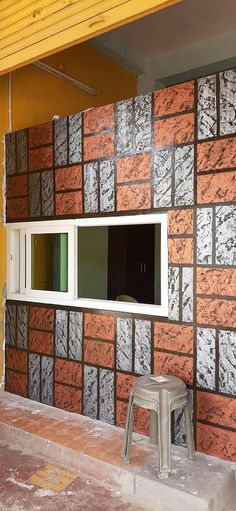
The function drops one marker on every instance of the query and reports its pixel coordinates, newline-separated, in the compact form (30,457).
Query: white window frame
(70,298)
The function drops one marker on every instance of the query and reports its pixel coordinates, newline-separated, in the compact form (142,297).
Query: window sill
(107,305)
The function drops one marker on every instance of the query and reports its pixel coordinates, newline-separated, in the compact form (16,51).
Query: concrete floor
(30,483)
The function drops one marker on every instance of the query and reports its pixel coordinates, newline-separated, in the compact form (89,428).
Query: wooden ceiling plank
(91,27)
(31,13)
(20,9)
(63,18)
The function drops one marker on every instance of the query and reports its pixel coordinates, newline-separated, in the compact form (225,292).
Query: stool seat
(146,387)
(161,395)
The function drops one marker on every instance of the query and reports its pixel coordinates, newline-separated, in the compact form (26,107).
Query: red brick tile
(217,155)
(216,442)
(16,359)
(174,130)
(99,353)
(41,318)
(98,146)
(217,409)
(141,417)
(124,384)
(68,398)
(121,412)
(219,282)
(99,119)
(133,197)
(133,168)
(177,365)
(141,421)
(40,158)
(16,383)
(17,208)
(41,134)
(178,98)
(216,312)
(17,185)
(180,250)
(173,337)
(68,178)
(68,372)
(219,187)
(99,325)
(69,203)
(41,342)
(180,221)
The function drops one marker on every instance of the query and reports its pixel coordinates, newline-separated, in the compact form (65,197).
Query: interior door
(131,262)
(140,262)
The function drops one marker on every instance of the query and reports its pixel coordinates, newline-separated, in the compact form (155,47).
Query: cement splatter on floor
(30,483)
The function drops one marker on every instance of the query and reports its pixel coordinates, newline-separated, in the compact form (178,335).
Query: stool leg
(153,427)
(164,435)
(128,431)
(189,431)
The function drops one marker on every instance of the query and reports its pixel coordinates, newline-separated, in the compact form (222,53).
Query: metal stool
(161,399)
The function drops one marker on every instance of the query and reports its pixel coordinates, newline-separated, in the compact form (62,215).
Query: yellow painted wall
(37,96)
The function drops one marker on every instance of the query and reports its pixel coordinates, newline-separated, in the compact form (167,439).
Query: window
(38,261)
(115,263)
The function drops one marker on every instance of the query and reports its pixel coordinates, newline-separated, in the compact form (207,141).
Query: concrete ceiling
(191,34)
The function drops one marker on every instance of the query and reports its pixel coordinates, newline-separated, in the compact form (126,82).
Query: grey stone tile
(60,142)
(142,359)
(34,377)
(207,116)
(61,333)
(107,192)
(124,344)
(75,138)
(21,152)
(227,361)
(47,380)
(34,194)
(90,405)
(22,326)
(143,123)
(75,335)
(179,426)
(124,126)
(184,176)
(204,235)
(187,294)
(91,187)
(10,153)
(47,193)
(10,327)
(226,235)
(106,396)
(173,294)
(228,102)
(206,353)
(163,169)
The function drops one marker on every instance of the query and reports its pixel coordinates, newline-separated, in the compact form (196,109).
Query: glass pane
(49,266)
(120,263)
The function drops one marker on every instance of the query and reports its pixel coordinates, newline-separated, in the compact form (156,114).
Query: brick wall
(174,151)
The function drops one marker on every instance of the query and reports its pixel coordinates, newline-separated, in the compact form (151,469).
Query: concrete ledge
(205,484)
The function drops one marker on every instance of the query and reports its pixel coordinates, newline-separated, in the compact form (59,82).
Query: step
(93,447)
